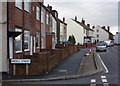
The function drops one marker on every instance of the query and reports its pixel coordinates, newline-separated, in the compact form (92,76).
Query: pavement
(75,66)
(109,61)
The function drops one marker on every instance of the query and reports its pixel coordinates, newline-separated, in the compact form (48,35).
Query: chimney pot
(93,27)
(88,25)
(75,18)
(108,28)
(83,21)
(64,19)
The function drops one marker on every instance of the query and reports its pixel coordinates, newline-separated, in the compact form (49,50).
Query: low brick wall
(87,45)
(44,62)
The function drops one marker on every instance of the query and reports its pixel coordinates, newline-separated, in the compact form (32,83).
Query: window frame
(18,4)
(38,37)
(28,40)
(18,30)
(47,19)
(42,16)
(27,5)
(37,12)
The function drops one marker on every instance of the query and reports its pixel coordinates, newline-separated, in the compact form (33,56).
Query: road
(110,61)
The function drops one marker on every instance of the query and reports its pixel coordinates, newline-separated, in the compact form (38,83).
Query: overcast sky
(95,12)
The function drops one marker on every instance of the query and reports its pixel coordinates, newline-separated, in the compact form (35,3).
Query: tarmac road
(110,78)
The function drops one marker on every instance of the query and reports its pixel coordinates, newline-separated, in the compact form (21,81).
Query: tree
(69,38)
(72,39)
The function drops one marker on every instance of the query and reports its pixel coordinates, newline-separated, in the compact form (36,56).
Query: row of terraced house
(29,28)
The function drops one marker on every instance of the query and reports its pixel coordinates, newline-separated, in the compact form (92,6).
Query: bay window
(18,41)
(37,39)
(26,40)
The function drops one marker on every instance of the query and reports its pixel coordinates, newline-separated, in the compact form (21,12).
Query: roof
(107,31)
(62,22)
(86,27)
(49,11)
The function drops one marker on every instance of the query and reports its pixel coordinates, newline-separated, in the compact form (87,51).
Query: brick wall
(43,63)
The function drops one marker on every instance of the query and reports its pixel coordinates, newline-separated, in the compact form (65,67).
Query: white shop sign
(20,61)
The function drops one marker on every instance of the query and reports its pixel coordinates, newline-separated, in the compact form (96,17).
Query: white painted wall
(3,38)
(75,29)
(103,35)
(117,38)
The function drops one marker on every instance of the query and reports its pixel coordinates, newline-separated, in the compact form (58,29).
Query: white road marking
(115,50)
(103,77)
(105,84)
(106,70)
(104,80)
(93,80)
(92,84)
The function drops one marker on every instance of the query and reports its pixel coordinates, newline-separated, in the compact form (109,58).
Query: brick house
(82,32)
(34,26)
(24,20)
(63,30)
(102,33)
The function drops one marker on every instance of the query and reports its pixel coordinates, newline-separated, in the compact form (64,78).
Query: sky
(94,12)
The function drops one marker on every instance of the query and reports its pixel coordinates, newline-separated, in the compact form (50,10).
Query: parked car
(101,47)
(66,42)
(109,43)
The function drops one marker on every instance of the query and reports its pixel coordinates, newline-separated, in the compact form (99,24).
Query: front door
(11,47)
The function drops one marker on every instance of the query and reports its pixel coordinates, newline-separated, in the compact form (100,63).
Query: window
(37,39)
(42,16)
(26,5)
(47,18)
(97,35)
(37,13)
(18,41)
(97,30)
(84,30)
(26,40)
(18,3)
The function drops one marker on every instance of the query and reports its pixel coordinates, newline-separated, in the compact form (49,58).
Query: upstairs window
(26,5)
(97,30)
(97,35)
(47,18)
(26,40)
(42,16)
(18,4)
(37,13)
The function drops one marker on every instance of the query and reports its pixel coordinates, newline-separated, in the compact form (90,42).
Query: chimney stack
(64,19)
(83,21)
(93,27)
(103,27)
(49,7)
(108,28)
(75,18)
(88,25)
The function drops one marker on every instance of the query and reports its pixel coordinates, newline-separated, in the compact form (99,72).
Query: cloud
(95,13)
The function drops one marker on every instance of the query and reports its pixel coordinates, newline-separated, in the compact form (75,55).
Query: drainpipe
(23,30)
(7,29)
(8,37)
(40,26)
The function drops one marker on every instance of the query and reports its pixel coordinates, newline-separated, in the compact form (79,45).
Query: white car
(109,43)
(101,47)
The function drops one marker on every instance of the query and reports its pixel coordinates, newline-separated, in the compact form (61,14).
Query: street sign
(20,61)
